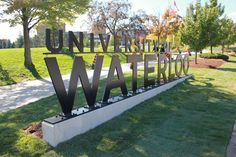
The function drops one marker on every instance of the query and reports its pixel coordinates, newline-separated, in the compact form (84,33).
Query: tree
(137,22)
(20,41)
(4,45)
(206,25)
(157,27)
(168,24)
(193,33)
(111,15)
(54,25)
(29,13)
(13,45)
(231,39)
(227,32)
(213,11)
(8,43)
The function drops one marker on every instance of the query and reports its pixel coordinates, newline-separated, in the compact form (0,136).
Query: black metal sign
(66,97)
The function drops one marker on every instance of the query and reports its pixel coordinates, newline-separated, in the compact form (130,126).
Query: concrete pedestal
(67,129)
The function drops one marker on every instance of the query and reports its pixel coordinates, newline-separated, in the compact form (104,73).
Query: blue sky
(154,6)
(150,6)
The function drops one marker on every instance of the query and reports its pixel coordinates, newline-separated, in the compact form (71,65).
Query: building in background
(39,39)
(5,43)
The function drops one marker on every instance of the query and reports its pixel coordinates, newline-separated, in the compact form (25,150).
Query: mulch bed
(34,129)
(207,63)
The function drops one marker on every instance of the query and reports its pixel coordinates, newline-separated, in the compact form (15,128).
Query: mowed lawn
(12,68)
(193,119)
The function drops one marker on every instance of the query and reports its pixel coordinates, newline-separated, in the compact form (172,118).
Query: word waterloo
(66,97)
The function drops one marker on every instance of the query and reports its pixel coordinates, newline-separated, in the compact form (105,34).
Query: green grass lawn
(193,119)
(12,68)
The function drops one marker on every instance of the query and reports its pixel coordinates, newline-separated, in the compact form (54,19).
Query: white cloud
(232,15)
(7,32)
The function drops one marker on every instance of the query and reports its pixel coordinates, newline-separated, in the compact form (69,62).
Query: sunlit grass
(12,68)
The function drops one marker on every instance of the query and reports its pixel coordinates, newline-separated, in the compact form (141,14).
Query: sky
(150,6)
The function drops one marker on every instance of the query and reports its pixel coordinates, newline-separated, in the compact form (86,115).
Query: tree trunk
(211,49)
(195,57)
(27,54)
(223,48)
(115,43)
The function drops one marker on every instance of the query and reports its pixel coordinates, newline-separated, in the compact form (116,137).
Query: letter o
(178,72)
(186,64)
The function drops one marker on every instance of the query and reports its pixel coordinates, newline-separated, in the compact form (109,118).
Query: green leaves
(29,13)
(194,31)
(227,31)
(111,15)
(204,26)
(50,11)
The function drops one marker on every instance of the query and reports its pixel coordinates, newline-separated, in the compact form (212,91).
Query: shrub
(65,50)
(214,56)
(229,50)
(232,54)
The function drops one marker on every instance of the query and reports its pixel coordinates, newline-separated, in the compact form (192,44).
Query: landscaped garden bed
(207,63)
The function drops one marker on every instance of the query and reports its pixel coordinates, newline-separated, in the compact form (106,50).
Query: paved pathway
(20,94)
(231,148)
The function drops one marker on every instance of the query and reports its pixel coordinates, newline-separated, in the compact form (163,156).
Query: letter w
(65,98)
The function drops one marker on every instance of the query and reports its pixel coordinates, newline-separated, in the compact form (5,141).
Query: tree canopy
(167,24)
(29,13)
(227,32)
(194,31)
(116,17)
(48,10)
(204,26)
(111,15)
(213,12)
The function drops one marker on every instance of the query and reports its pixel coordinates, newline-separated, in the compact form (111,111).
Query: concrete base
(67,129)
(231,147)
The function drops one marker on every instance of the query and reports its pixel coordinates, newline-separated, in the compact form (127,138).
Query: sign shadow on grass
(192,119)
(175,122)
(227,69)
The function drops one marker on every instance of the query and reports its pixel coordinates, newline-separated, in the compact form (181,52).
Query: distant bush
(232,54)
(214,56)
(65,50)
(229,50)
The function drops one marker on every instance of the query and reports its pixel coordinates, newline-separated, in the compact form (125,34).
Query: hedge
(214,56)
